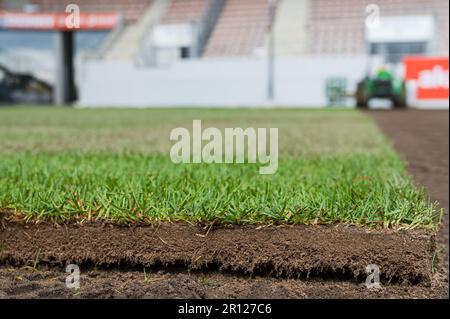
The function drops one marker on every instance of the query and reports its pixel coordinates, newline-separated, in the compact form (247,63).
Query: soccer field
(113,164)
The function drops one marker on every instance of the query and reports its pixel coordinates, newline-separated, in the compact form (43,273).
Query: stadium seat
(240,30)
(185,11)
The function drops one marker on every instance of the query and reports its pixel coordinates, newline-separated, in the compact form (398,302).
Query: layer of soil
(133,283)
(284,251)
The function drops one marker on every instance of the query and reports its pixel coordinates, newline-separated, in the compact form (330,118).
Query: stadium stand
(241,29)
(236,28)
(129,41)
(337,27)
(185,11)
(189,24)
(290,22)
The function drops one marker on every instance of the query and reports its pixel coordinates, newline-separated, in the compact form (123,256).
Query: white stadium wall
(215,82)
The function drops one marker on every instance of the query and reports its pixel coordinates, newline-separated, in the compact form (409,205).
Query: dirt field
(420,136)
(173,283)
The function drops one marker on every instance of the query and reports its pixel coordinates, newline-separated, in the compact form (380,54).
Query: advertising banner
(57,21)
(429,77)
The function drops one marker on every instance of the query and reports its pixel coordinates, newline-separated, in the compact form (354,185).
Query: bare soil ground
(111,267)
(171,283)
(421,137)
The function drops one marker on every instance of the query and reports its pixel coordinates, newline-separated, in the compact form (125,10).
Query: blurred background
(293,53)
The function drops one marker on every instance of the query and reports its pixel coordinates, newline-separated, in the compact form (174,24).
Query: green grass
(72,164)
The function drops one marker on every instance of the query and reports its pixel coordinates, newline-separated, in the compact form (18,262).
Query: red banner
(58,21)
(430,75)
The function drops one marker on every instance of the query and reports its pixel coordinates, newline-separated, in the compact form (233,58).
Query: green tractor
(381,86)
